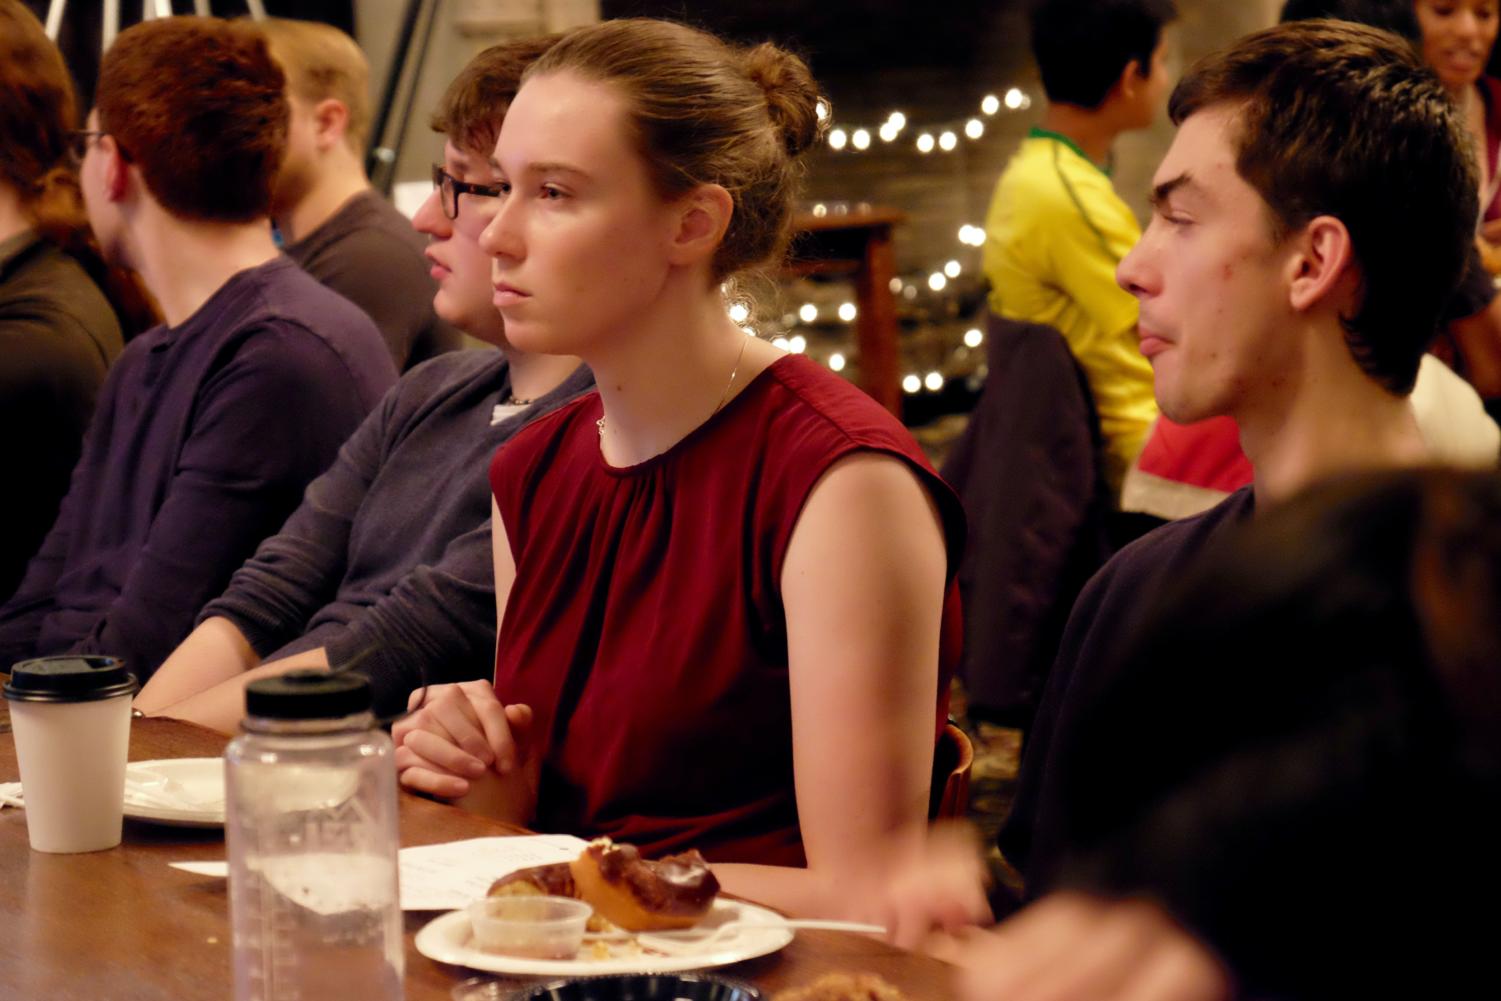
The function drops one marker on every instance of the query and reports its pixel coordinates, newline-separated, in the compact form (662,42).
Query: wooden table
(858,241)
(121,925)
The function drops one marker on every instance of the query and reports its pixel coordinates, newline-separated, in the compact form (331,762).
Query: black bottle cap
(308,695)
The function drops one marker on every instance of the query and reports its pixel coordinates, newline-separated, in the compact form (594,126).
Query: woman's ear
(1321,266)
(701,218)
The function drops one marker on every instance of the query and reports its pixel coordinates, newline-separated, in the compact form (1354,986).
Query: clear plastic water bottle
(310,828)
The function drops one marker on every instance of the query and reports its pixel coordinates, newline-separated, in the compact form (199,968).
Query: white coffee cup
(71,720)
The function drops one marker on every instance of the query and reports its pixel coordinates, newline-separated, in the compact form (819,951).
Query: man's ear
(1321,266)
(700,219)
(1130,80)
(117,168)
(330,121)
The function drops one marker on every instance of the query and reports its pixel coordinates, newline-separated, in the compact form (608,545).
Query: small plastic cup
(534,927)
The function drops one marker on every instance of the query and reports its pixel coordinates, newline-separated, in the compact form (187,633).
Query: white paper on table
(449,876)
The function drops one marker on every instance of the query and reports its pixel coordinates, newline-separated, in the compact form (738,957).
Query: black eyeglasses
(450,188)
(79,141)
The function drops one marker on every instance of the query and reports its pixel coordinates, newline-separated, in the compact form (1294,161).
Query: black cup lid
(308,695)
(71,678)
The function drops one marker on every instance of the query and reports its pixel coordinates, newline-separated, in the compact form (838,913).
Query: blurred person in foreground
(331,221)
(210,425)
(1313,816)
(353,578)
(1310,220)
(1056,229)
(63,311)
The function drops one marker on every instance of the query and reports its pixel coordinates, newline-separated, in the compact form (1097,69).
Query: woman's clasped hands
(460,737)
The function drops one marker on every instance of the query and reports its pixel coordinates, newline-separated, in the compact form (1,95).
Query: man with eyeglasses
(398,530)
(331,221)
(210,425)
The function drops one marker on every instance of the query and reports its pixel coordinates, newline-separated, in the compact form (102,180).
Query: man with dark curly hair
(210,425)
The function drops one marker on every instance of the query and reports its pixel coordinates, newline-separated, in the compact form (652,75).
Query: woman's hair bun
(791,94)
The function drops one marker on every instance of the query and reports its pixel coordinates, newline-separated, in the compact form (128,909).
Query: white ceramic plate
(447,940)
(195,787)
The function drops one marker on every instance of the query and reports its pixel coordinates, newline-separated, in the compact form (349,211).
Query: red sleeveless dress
(646,628)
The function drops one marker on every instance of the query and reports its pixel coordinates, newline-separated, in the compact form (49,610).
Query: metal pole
(202,9)
(257,9)
(55,18)
(111,25)
(380,161)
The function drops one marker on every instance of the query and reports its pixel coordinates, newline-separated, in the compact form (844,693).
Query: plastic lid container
(535,927)
(72,678)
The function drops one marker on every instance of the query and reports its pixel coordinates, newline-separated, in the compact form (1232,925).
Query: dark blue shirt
(202,442)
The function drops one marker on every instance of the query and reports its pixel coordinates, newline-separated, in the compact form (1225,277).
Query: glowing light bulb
(895,285)
(861,139)
(749,331)
(779,342)
(820,210)
(952,269)
(973,337)
(991,104)
(1015,99)
(974,128)
(838,139)
(933,381)
(937,281)
(887,132)
(897,120)
(911,384)
(823,110)
(797,344)
(739,312)
(836,362)
(847,311)
(925,143)
(947,142)
(808,313)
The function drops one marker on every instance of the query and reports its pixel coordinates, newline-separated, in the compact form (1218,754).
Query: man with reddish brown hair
(209,426)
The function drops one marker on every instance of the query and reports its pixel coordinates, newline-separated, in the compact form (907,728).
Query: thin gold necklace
(723,397)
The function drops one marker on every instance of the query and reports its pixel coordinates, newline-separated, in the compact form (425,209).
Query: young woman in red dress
(726,580)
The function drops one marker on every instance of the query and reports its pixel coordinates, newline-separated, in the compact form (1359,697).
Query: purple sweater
(387,562)
(203,439)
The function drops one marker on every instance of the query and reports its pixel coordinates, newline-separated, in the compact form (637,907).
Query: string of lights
(941,136)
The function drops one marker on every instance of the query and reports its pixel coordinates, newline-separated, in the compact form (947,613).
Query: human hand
(939,885)
(461,732)
(1070,945)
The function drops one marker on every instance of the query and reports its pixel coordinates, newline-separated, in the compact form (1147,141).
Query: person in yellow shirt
(1056,229)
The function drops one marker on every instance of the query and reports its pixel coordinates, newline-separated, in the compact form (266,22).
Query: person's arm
(863,584)
(266,423)
(433,622)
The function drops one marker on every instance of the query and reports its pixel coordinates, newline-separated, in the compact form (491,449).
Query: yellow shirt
(1055,232)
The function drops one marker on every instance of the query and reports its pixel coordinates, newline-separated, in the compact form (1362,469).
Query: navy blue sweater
(202,442)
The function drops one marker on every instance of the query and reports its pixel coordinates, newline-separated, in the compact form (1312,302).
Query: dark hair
(705,112)
(37,109)
(475,104)
(197,104)
(1313,719)
(1343,120)
(1083,46)
(1389,15)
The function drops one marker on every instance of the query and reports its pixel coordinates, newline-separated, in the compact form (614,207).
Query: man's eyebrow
(1162,192)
